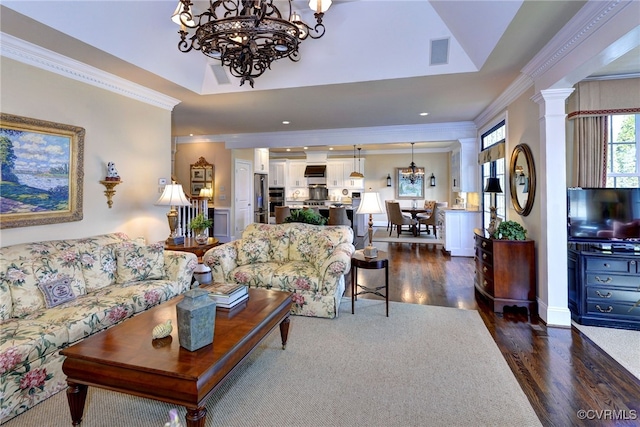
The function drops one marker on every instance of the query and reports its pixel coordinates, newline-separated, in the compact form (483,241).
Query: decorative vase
(196,319)
(201,236)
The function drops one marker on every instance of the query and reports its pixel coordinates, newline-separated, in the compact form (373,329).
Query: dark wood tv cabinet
(505,272)
(604,286)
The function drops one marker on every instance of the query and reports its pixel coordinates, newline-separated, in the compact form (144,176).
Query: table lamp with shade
(493,188)
(370,204)
(173,196)
(206,193)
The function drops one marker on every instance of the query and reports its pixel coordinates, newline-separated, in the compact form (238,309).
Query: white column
(553,301)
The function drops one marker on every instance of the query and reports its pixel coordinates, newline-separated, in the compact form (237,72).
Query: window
(623,154)
(494,168)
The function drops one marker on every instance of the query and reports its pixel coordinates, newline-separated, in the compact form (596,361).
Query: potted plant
(199,224)
(510,230)
(307,216)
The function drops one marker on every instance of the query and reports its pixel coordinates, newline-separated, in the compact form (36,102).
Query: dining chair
(398,219)
(428,218)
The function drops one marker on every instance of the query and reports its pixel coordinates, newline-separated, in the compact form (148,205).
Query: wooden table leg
(196,417)
(386,286)
(76,396)
(354,274)
(284,331)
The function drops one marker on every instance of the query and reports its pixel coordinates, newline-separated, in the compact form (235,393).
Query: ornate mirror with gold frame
(202,176)
(522,179)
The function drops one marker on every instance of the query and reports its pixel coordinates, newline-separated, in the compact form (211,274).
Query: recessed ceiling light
(190,134)
(285,122)
(305,148)
(424,114)
(288,149)
(330,148)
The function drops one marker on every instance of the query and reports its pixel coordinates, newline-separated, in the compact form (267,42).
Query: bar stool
(281,213)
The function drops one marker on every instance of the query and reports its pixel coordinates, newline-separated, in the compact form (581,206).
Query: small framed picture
(197,174)
(196,187)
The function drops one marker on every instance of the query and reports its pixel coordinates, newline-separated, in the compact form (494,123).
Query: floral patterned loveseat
(308,260)
(55,293)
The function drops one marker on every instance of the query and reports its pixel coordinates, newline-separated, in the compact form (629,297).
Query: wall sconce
(432,180)
(388,180)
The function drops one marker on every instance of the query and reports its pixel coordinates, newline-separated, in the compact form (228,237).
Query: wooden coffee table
(124,358)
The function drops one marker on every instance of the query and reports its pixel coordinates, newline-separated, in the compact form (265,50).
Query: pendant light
(355,174)
(360,158)
(412,173)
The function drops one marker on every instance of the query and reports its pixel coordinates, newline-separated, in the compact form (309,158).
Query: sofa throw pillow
(57,290)
(18,276)
(253,250)
(136,262)
(98,266)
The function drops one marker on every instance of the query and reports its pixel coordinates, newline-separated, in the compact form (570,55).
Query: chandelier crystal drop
(246,35)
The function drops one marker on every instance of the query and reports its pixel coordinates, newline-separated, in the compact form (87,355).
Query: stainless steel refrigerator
(261,198)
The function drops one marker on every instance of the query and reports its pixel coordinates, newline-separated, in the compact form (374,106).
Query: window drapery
(589,152)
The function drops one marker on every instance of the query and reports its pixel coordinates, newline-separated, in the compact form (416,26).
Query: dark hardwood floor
(560,370)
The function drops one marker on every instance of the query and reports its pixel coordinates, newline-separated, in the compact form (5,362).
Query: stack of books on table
(228,295)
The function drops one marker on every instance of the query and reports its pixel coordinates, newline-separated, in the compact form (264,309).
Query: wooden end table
(358,260)
(125,359)
(190,245)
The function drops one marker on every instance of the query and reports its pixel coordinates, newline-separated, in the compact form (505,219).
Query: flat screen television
(601,214)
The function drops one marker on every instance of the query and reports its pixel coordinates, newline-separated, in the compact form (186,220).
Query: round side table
(202,273)
(358,260)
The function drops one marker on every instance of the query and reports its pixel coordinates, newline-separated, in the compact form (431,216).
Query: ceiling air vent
(439,52)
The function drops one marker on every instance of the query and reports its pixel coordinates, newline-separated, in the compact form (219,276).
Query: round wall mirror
(522,179)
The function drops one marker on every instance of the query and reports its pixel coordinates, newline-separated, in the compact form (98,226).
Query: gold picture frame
(41,172)
(407,190)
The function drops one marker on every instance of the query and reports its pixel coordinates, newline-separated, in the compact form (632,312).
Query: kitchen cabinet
(352,183)
(604,287)
(456,230)
(295,176)
(277,175)
(506,272)
(335,174)
(261,160)
(464,167)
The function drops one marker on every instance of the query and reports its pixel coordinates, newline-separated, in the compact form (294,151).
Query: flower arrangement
(510,230)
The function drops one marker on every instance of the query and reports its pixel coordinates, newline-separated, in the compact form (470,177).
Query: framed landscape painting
(407,190)
(41,172)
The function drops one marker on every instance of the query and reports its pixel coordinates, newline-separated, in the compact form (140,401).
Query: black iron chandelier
(412,173)
(246,35)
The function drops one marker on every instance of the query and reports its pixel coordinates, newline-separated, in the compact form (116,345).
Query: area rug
(621,344)
(382,235)
(422,366)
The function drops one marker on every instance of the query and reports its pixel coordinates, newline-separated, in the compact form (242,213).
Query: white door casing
(243,180)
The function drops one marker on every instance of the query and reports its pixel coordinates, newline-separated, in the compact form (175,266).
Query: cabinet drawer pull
(484,244)
(484,269)
(608,310)
(484,256)
(484,283)
(607,265)
(607,280)
(633,263)
(601,295)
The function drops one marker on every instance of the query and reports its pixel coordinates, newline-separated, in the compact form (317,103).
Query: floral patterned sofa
(55,293)
(308,260)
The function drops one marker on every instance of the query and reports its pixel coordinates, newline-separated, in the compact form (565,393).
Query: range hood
(315,171)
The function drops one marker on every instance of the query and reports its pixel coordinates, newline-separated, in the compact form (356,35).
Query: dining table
(414,214)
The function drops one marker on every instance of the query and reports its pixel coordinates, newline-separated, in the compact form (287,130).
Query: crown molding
(370,135)
(586,22)
(590,18)
(36,56)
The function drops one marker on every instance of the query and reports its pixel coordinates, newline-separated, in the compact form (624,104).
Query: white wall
(134,135)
